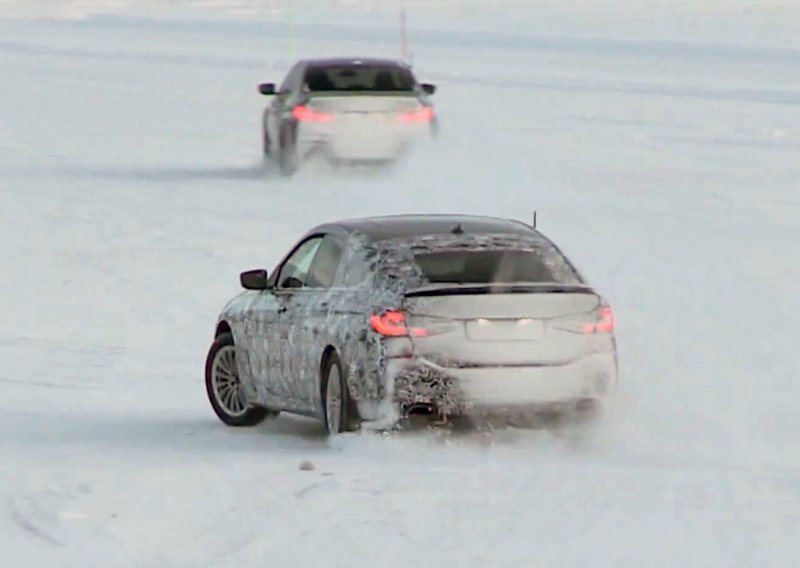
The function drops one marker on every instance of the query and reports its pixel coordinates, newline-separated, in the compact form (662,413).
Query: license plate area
(363,119)
(505,330)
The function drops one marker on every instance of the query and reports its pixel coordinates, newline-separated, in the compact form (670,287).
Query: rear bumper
(456,391)
(380,145)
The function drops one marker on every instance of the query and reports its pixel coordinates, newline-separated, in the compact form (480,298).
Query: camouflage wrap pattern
(283,336)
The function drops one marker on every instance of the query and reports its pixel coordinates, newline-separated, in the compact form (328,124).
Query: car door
(307,321)
(354,299)
(258,342)
(283,100)
(290,292)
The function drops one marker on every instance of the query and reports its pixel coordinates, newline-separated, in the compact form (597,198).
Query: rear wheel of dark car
(287,153)
(266,146)
(435,128)
(336,405)
(224,389)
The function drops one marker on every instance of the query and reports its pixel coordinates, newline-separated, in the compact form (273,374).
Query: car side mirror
(266,88)
(254,279)
(428,88)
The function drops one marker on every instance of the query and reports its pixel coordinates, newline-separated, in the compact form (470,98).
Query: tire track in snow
(30,526)
(49,385)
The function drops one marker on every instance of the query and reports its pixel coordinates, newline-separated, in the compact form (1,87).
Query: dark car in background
(352,111)
(365,321)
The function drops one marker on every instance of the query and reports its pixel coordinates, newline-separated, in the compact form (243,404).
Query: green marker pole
(290,24)
(404,31)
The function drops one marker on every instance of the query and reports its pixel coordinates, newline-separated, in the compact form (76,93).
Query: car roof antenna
(458,230)
(534,218)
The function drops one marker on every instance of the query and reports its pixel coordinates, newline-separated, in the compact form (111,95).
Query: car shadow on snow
(256,171)
(189,434)
(156,173)
(153,433)
(178,174)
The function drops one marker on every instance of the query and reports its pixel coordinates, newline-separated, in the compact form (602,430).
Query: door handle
(281,309)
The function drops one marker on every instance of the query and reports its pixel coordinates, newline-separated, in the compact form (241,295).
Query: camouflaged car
(366,321)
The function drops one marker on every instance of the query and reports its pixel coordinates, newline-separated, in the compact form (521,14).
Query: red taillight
(604,324)
(423,114)
(393,324)
(305,114)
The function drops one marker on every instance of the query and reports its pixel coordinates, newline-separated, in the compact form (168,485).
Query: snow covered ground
(659,143)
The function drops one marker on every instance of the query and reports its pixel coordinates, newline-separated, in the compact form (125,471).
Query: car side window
(294,272)
(356,271)
(292,80)
(326,263)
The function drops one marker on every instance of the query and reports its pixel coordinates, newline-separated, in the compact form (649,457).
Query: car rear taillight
(422,114)
(605,322)
(305,114)
(393,324)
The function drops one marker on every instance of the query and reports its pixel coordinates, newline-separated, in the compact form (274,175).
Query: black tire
(348,421)
(288,160)
(266,145)
(250,415)
(435,129)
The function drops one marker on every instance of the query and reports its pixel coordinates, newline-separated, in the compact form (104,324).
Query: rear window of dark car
(352,77)
(493,266)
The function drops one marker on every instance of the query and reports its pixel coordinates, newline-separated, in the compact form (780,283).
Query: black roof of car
(407,226)
(335,61)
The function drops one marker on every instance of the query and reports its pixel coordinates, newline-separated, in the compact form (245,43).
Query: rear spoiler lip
(485,289)
(355,94)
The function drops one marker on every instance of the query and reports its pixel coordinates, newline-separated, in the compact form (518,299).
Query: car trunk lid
(528,325)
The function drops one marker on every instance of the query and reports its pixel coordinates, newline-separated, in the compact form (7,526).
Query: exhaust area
(420,409)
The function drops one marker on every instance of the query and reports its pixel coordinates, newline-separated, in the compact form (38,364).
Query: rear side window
(326,263)
(353,77)
(356,272)
(494,266)
(293,79)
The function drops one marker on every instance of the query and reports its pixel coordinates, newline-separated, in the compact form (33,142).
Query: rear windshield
(493,266)
(359,78)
